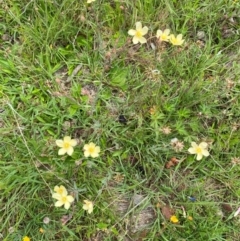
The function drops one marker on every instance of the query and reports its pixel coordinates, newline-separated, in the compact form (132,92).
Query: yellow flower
(200,150)
(190,218)
(138,33)
(66,145)
(88,206)
(60,190)
(41,230)
(174,219)
(163,35)
(91,150)
(176,40)
(26,238)
(63,199)
(90,1)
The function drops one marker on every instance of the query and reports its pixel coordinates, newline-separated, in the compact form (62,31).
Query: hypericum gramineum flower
(26,238)
(88,206)
(60,190)
(176,40)
(91,150)
(66,145)
(90,1)
(163,35)
(63,199)
(200,150)
(138,33)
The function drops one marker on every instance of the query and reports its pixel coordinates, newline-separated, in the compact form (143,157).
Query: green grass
(53,51)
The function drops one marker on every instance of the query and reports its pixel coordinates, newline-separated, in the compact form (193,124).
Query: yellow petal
(56,196)
(86,153)
(85,147)
(159,33)
(67,205)
(62,151)
(203,145)
(90,210)
(144,30)
(58,203)
(205,152)
(166,31)
(199,156)
(142,40)
(132,32)
(194,144)
(73,142)
(179,37)
(95,154)
(56,188)
(59,143)
(138,25)
(135,39)
(192,150)
(67,139)
(70,151)
(97,149)
(92,145)
(63,188)
(70,198)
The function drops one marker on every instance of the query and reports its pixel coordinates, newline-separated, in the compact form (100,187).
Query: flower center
(198,150)
(60,191)
(64,199)
(66,145)
(91,149)
(138,34)
(164,37)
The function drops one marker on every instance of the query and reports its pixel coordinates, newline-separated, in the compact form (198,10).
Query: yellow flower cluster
(66,146)
(165,35)
(61,194)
